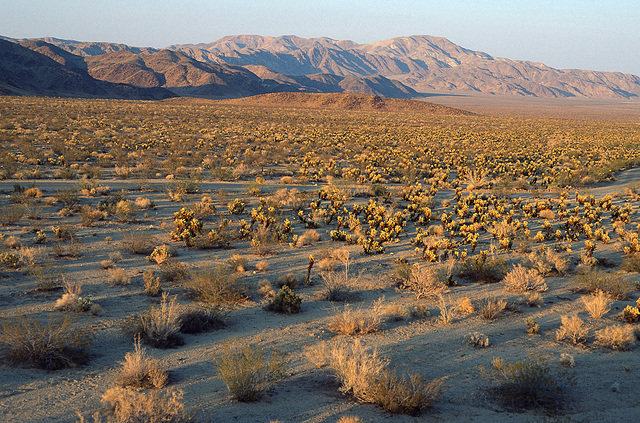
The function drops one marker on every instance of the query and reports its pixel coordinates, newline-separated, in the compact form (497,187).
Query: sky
(589,34)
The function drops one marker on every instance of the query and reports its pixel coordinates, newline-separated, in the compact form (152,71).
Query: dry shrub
(138,242)
(484,268)
(424,282)
(218,287)
(129,406)
(32,256)
(465,306)
(395,312)
(265,289)
(55,344)
(48,277)
(118,277)
(262,266)
(547,261)
(336,288)
(447,312)
(354,366)
(237,263)
(406,394)
(612,284)
(491,308)
(357,321)
(201,319)
(310,237)
(288,279)
(248,372)
(144,203)
(573,329)
(365,376)
(616,337)
(10,214)
(152,284)
(89,215)
(159,326)
(520,279)
(12,243)
(349,419)
(107,264)
(532,298)
(529,384)
(141,371)
(174,271)
(71,300)
(597,305)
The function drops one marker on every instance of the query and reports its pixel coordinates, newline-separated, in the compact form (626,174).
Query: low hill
(344,101)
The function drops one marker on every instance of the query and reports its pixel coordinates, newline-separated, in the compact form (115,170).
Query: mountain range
(243,65)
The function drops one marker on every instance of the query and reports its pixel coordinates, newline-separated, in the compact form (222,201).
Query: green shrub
(529,384)
(286,301)
(482,268)
(200,320)
(53,344)
(612,284)
(248,371)
(218,287)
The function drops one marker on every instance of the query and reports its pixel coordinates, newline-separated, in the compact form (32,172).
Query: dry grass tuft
(159,326)
(141,371)
(357,321)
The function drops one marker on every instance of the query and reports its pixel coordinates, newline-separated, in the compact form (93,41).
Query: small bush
(138,242)
(359,321)
(573,329)
(198,320)
(118,277)
(310,237)
(520,279)
(529,384)
(55,344)
(614,285)
(217,287)
(336,288)
(616,337)
(159,326)
(424,282)
(597,305)
(533,299)
(406,394)
(237,263)
(248,372)
(491,308)
(546,262)
(129,406)
(289,279)
(285,301)
(483,268)
(141,371)
(152,284)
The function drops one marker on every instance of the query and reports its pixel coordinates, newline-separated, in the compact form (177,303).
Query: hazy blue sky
(588,34)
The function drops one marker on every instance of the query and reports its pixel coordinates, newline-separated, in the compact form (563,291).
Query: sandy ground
(310,394)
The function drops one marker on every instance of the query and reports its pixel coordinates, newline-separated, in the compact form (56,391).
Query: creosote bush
(201,319)
(248,371)
(56,343)
(612,284)
(597,305)
(529,384)
(285,301)
(218,286)
(484,268)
